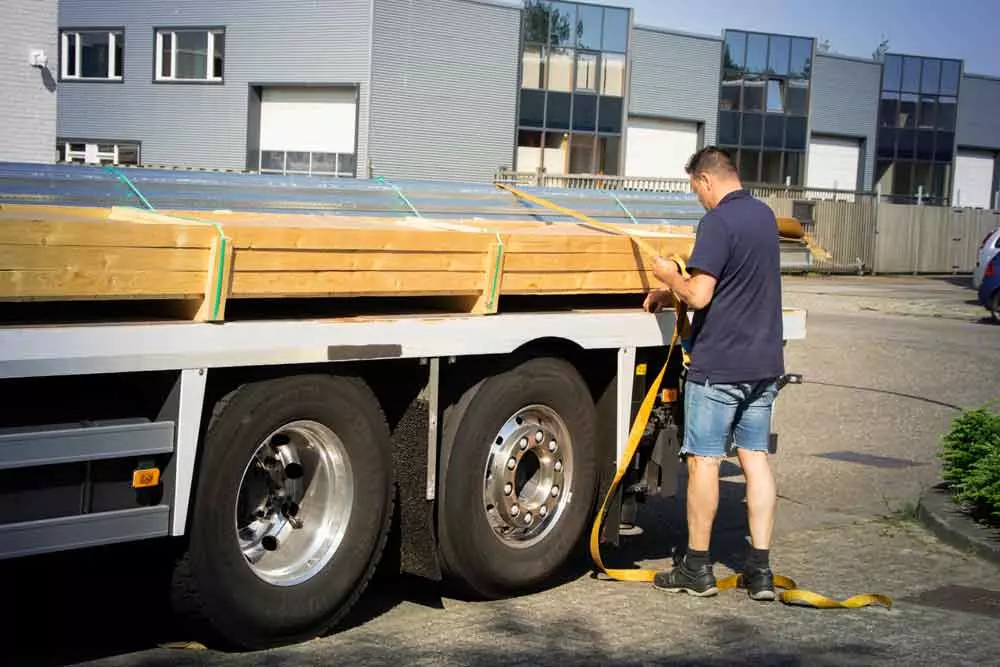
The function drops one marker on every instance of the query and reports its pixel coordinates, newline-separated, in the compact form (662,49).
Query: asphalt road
(887,364)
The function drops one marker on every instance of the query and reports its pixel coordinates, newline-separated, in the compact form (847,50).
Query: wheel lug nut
(539,436)
(508,489)
(528,518)
(555,491)
(514,510)
(552,445)
(558,466)
(543,510)
(524,443)
(511,464)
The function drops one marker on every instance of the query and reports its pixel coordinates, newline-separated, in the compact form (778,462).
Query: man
(736,360)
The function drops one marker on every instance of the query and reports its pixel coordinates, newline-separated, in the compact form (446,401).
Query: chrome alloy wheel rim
(294,503)
(528,475)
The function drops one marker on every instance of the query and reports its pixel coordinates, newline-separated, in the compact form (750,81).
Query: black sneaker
(699,582)
(759,583)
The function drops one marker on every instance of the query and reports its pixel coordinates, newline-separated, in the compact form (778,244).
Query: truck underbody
(277,456)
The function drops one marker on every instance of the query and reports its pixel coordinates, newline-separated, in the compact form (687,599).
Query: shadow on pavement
(110,601)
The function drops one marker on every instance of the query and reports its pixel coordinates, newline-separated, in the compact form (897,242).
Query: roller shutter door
(833,163)
(659,148)
(973,179)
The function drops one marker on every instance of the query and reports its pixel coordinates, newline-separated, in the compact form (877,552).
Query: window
(915,140)
(775,96)
(586,72)
(341,165)
(573,79)
(735,53)
(764,103)
(91,55)
(186,54)
(613,76)
(533,64)
(89,151)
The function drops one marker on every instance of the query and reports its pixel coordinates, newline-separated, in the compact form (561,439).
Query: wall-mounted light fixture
(38,58)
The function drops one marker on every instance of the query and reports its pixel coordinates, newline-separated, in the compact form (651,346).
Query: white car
(989,248)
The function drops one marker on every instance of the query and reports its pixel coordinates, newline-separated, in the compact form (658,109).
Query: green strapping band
(223,241)
(496,274)
(383,181)
(627,212)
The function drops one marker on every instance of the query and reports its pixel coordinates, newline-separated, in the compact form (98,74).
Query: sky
(853,27)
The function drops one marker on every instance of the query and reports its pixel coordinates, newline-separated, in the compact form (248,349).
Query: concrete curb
(945,519)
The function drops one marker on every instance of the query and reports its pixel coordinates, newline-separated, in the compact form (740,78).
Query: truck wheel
(291,512)
(520,478)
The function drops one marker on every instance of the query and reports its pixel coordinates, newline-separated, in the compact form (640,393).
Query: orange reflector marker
(145,478)
(669,395)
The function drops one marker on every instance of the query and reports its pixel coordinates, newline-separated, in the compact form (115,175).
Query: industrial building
(458,88)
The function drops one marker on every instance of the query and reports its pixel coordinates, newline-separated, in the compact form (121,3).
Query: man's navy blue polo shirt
(738,337)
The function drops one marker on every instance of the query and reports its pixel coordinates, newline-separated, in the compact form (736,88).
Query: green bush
(971,455)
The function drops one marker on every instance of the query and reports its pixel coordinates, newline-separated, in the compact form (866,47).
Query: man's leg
(708,417)
(751,435)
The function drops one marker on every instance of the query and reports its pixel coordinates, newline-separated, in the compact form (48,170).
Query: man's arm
(695,291)
(707,262)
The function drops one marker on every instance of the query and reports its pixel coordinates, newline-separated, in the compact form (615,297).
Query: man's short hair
(711,159)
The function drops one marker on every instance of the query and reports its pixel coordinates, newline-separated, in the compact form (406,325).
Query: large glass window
(573,80)
(764,103)
(915,140)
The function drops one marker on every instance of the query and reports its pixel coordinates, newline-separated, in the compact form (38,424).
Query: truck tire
(519,479)
(291,511)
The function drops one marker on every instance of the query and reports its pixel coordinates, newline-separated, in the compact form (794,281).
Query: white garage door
(833,163)
(973,179)
(659,148)
(308,130)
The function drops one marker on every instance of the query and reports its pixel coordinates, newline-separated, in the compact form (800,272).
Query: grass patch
(970,452)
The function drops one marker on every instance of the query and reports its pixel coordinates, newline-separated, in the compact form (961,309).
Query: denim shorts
(719,418)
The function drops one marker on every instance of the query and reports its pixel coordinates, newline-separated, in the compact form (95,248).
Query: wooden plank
(579,282)
(21,285)
(53,258)
(21,232)
(354,283)
(354,260)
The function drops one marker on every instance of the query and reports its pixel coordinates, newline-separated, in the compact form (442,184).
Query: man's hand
(666,271)
(657,300)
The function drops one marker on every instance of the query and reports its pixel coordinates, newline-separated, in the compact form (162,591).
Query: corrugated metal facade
(676,76)
(28,104)
(444,88)
(979,112)
(845,102)
(205,125)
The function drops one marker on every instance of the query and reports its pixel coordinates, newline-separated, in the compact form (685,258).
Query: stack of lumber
(59,253)
(84,233)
